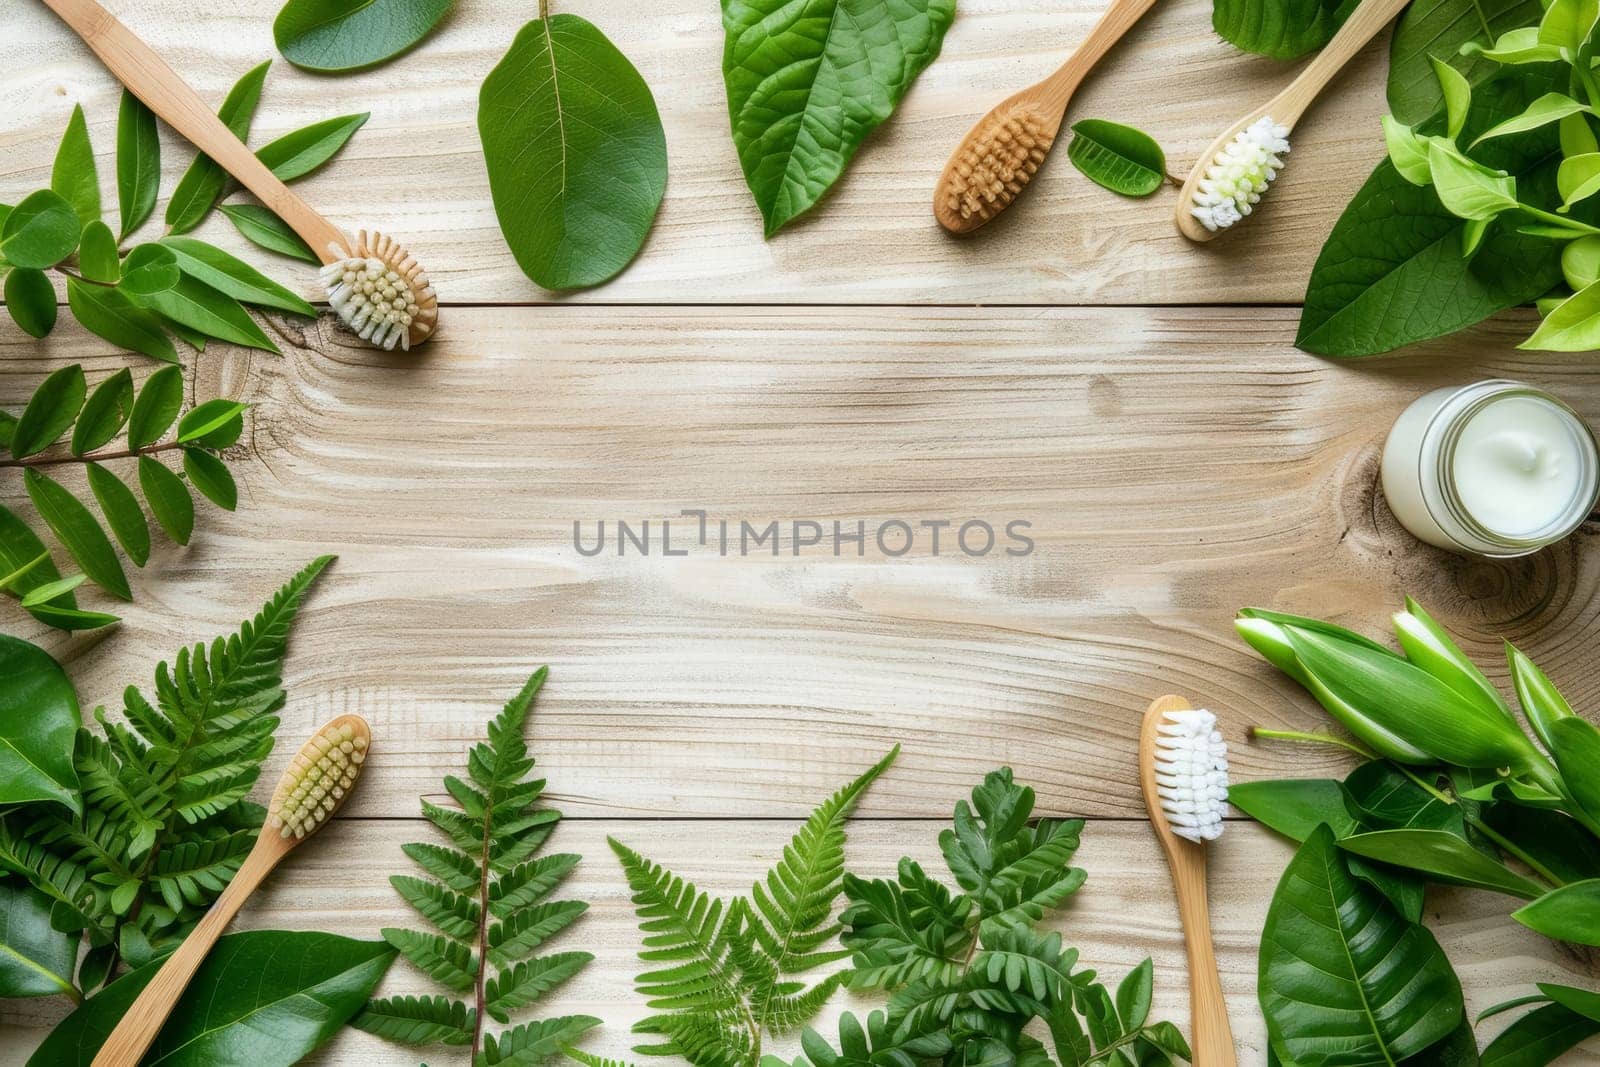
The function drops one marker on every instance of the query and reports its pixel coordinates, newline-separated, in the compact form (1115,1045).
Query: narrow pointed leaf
(263,228)
(1569,913)
(168,498)
(51,409)
(104,414)
(111,315)
(122,513)
(77,529)
(138,162)
(204,181)
(214,314)
(232,276)
(73,176)
(155,408)
(1442,856)
(296,154)
(97,254)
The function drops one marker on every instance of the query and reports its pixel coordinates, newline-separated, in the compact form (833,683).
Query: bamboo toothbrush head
(1232,176)
(318,780)
(1183,771)
(380,292)
(993,163)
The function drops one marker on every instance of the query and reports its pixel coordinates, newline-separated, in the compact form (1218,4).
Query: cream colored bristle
(380,292)
(995,163)
(318,778)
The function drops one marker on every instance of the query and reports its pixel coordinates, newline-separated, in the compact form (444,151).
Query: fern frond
(523,931)
(448,962)
(192,872)
(682,925)
(705,1039)
(905,931)
(451,866)
(589,1059)
(523,983)
(1039,878)
(418,1020)
(529,883)
(455,914)
(531,1044)
(792,1006)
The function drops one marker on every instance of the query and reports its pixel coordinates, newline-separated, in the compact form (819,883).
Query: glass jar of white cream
(1495,469)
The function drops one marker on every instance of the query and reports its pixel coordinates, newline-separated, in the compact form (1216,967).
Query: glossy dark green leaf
(36,959)
(1576,746)
(214,314)
(210,475)
(13,579)
(38,720)
(1555,840)
(110,314)
(1570,913)
(156,407)
(340,35)
(168,498)
(73,176)
(1539,1038)
(1120,158)
(1383,798)
(78,531)
(1282,29)
(31,300)
(97,254)
(65,618)
(576,154)
(224,436)
(233,277)
(296,154)
(138,162)
(105,413)
(264,997)
(1583,1002)
(193,338)
(1442,856)
(1344,977)
(50,591)
(204,181)
(205,419)
(1436,29)
(806,85)
(1134,994)
(40,232)
(149,269)
(51,409)
(20,552)
(1295,806)
(121,509)
(264,229)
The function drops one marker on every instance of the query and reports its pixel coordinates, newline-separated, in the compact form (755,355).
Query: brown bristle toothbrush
(1183,770)
(317,781)
(1001,154)
(374,286)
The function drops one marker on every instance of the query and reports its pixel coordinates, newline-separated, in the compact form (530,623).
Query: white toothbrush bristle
(1241,172)
(1192,773)
(380,293)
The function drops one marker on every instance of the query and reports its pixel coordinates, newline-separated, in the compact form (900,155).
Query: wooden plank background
(1137,401)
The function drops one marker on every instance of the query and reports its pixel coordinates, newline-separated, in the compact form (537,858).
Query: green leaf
(1120,158)
(50,411)
(417,1020)
(1467,189)
(110,314)
(1517,47)
(71,522)
(261,227)
(204,181)
(294,155)
(20,552)
(1429,646)
(576,154)
(1281,29)
(38,720)
(168,498)
(1580,1001)
(1568,913)
(1578,178)
(97,254)
(105,413)
(263,997)
(1133,996)
(1575,743)
(1551,107)
(1567,24)
(344,35)
(215,314)
(72,176)
(150,269)
(1295,807)
(1539,1038)
(138,162)
(1344,975)
(1457,94)
(40,232)
(806,85)
(1572,326)
(1442,856)
(48,592)
(207,418)
(233,277)
(1407,151)
(1577,138)
(36,959)
(31,300)
(156,407)
(122,513)
(18,574)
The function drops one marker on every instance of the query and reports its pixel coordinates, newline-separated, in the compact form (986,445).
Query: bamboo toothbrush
(374,286)
(1000,155)
(311,789)
(1235,171)
(1183,769)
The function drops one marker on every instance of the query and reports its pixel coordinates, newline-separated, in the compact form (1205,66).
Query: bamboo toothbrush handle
(143,1020)
(1208,1010)
(1362,25)
(149,78)
(1118,19)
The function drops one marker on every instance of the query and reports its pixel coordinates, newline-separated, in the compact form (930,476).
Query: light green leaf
(261,227)
(110,314)
(294,155)
(214,314)
(156,407)
(20,555)
(1573,325)
(97,254)
(1442,856)
(1446,28)
(1577,138)
(1472,235)
(50,590)
(1468,189)
(1575,743)
(17,574)
(233,277)
(1407,151)
(138,162)
(806,84)
(204,181)
(105,413)
(168,498)
(1578,178)
(1542,703)
(1581,1001)
(1281,29)
(39,718)
(36,959)
(40,232)
(122,513)
(1457,94)
(1519,46)
(72,176)
(72,524)
(1569,913)
(1120,158)
(210,475)
(576,154)
(51,409)
(207,418)
(1551,107)
(344,35)
(1567,24)
(31,300)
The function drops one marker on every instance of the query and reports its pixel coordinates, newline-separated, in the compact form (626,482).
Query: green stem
(1500,840)
(90,457)
(1310,738)
(1566,221)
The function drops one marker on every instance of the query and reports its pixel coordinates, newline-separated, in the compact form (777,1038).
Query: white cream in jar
(1497,469)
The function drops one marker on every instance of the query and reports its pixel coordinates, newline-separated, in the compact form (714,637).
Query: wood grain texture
(1175,465)
(872,240)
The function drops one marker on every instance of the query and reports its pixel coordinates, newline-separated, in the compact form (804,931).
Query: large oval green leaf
(1295,807)
(266,998)
(576,155)
(1570,913)
(1344,977)
(35,958)
(1282,29)
(38,720)
(1121,158)
(40,232)
(330,35)
(1436,29)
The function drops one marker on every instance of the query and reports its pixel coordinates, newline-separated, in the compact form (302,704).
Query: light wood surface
(1174,463)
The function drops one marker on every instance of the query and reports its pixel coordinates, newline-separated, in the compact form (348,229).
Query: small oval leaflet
(1120,158)
(336,35)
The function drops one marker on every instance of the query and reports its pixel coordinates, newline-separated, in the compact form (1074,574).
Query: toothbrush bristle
(318,779)
(1241,172)
(992,168)
(1192,773)
(380,293)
